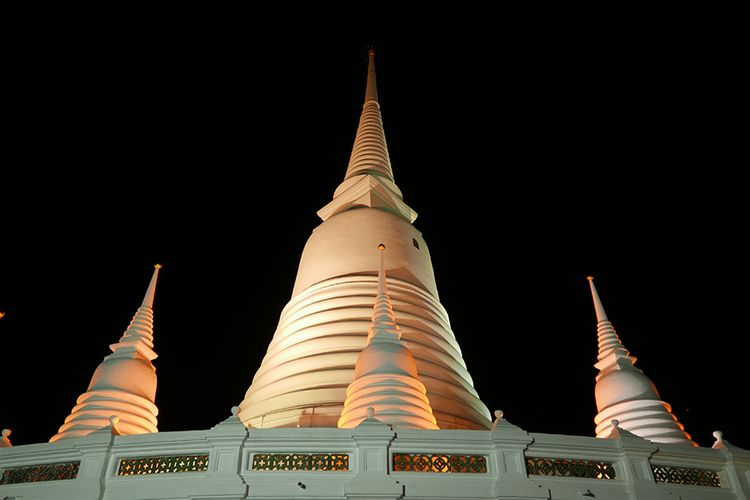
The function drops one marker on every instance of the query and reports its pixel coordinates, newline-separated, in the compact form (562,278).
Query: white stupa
(310,362)
(363,401)
(124,384)
(386,381)
(625,394)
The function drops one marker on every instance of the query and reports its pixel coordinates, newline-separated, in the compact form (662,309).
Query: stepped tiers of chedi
(363,393)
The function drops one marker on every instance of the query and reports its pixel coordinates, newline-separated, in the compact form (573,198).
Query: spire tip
(158,266)
(381,247)
(590,278)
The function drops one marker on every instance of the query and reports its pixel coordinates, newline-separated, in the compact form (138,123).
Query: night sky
(536,148)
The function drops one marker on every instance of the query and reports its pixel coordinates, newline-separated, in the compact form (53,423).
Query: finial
(615,422)
(381,269)
(235,410)
(719,440)
(498,415)
(113,420)
(4,441)
(598,307)
(2,314)
(371,91)
(370,50)
(370,412)
(148,300)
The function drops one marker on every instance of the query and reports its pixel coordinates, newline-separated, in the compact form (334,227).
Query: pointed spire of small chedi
(369,177)
(385,375)
(625,394)
(124,384)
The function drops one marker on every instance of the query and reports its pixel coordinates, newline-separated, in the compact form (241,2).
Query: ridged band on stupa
(624,393)
(124,384)
(386,379)
(311,359)
(370,151)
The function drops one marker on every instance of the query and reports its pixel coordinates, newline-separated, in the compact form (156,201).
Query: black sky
(536,148)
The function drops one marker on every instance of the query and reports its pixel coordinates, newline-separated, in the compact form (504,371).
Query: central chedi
(310,362)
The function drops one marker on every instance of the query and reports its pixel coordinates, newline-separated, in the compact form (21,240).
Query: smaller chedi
(625,394)
(124,384)
(385,374)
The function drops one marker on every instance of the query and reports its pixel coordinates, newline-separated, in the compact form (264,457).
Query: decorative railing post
(736,465)
(96,450)
(226,440)
(633,465)
(510,443)
(373,439)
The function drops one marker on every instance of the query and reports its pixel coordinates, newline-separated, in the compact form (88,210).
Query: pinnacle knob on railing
(498,415)
(4,441)
(719,440)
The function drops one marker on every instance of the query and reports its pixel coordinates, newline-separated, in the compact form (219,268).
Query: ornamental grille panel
(332,462)
(162,465)
(682,475)
(43,472)
(537,466)
(440,463)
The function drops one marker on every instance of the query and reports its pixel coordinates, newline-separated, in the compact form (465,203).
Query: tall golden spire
(370,152)
(369,177)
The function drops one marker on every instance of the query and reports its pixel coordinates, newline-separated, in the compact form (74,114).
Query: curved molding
(310,361)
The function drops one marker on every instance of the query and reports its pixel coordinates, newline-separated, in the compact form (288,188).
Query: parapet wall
(372,460)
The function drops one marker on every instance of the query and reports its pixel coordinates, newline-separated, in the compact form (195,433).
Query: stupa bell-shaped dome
(311,359)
